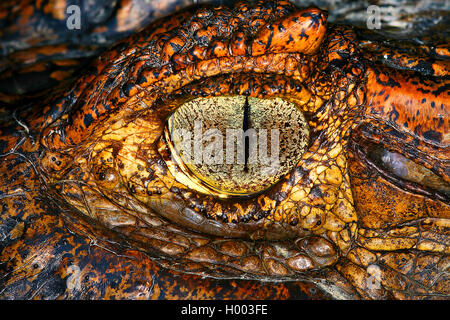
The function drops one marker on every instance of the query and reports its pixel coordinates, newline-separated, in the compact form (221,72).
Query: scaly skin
(93,207)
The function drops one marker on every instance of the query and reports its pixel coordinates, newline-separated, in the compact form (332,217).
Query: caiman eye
(236,145)
(403,169)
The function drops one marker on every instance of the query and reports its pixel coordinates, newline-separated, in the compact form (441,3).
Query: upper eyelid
(93,109)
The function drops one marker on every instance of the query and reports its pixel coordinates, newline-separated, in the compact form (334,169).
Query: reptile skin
(91,206)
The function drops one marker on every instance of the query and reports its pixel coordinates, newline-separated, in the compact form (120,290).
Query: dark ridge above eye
(247,84)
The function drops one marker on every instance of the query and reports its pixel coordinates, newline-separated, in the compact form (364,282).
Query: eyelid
(395,140)
(170,68)
(399,169)
(411,171)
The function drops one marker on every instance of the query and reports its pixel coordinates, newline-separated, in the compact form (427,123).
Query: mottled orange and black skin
(91,204)
(41,52)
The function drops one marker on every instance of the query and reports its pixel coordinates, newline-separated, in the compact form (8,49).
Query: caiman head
(356,199)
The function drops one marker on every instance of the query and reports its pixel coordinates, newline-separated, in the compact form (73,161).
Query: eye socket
(400,167)
(237,145)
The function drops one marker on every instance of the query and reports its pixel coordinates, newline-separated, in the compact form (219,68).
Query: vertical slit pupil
(245,127)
